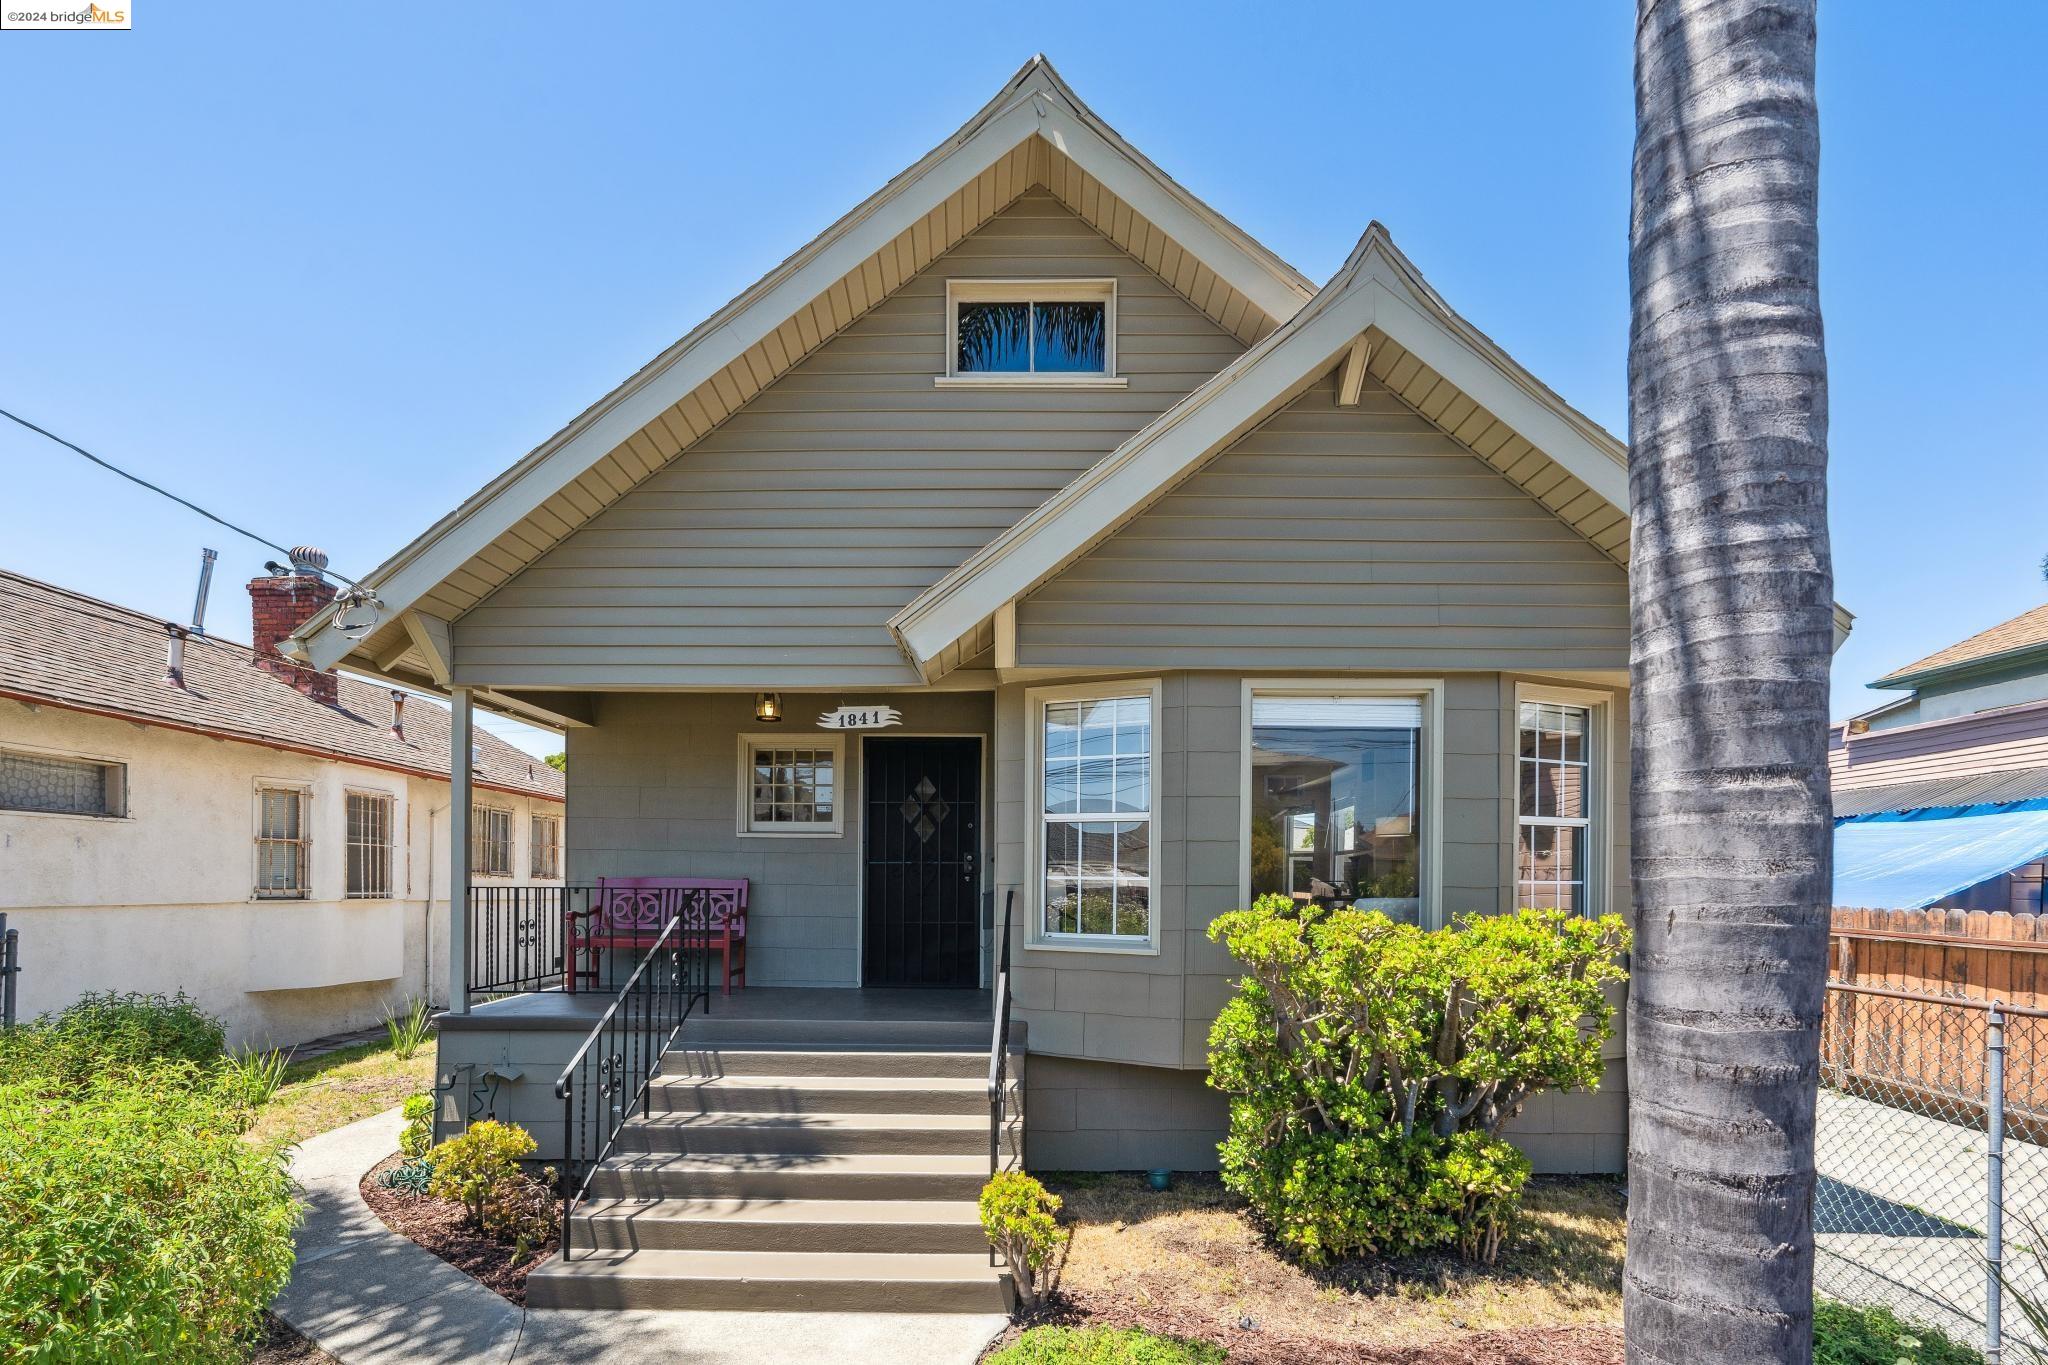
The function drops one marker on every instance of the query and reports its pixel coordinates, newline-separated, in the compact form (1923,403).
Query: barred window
(490,842)
(369,845)
(789,788)
(547,846)
(282,843)
(62,786)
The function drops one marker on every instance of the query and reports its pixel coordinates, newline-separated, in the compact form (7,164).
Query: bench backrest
(642,905)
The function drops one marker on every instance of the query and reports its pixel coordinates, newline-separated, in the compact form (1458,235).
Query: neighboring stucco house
(1190,580)
(182,813)
(1941,795)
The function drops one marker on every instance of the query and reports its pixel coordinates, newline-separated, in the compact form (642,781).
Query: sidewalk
(368,1296)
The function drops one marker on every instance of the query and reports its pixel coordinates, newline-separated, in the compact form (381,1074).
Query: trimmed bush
(1104,1346)
(471,1166)
(1371,1066)
(1020,1217)
(141,1226)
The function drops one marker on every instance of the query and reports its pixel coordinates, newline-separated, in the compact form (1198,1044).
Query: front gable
(772,551)
(1336,537)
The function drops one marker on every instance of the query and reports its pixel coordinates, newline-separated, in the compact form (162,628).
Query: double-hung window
(369,845)
(1031,331)
(1555,799)
(490,841)
(1096,759)
(1337,812)
(283,843)
(547,846)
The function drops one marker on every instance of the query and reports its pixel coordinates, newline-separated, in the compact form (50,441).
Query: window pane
(1070,337)
(59,785)
(995,338)
(1131,871)
(1335,805)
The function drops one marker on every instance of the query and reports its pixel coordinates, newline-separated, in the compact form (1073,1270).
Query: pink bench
(630,912)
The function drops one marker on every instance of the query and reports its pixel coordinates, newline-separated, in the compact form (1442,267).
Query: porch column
(461,735)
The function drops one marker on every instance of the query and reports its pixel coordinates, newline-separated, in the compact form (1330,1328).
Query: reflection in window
(1001,337)
(1335,809)
(1097,761)
(1554,810)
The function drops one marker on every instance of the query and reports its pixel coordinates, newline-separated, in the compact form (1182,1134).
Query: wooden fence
(1882,1032)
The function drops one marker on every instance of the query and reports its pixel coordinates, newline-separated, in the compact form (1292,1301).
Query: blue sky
(327,269)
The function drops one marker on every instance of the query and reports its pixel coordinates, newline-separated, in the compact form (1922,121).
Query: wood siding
(1996,741)
(1337,538)
(772,552)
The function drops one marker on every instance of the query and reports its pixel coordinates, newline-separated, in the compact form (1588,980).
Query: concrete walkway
(368,1296)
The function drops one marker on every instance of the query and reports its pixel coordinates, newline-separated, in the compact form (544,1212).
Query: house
(1941,795)
(179,813)
(1032,542)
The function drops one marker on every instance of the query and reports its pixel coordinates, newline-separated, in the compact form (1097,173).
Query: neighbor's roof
(1036,131)
(64,649)
(1983,789)
(2025,632)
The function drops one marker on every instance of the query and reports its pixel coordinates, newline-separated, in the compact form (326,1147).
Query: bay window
(1337,812)
(1095,758)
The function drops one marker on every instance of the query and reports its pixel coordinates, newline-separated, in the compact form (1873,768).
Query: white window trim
(127,811)
(534,845)
(743,812)
(1431,690)
(390,846)
(959,291)
(1599,790)
(305,791)
(1036,939)
(476,828)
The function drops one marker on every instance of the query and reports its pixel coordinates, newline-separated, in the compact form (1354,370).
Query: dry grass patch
(1191,1262)
(341,1087)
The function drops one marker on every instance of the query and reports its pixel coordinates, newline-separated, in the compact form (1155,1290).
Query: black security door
(923,832)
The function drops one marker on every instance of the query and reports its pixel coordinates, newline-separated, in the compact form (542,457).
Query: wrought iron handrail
(517,936)
(10,968)
(999,1046)
(606,1079)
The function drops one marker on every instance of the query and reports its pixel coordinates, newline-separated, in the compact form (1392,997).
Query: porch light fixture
(768,707)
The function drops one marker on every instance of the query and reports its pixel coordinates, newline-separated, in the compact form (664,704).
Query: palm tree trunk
(1732,624)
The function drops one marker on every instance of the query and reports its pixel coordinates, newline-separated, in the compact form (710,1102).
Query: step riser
(712,1062)
(698,1234)
(625,1290)
(613,1183)
(711,1032)
(696,1097)
(791,1140)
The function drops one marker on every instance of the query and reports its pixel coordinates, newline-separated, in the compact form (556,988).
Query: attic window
(1049,333)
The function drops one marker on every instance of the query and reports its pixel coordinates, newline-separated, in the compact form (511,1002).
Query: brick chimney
(279,604)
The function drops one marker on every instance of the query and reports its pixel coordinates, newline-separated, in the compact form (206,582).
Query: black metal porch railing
(605,1082)
(10,968)
(999,1047)
(517,936)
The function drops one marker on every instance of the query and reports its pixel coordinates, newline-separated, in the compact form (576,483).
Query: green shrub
(1104,1346)
(1845,1335)
(418,1135)
(523,1213)
(104,1031)
(140,1225)
(470,1166)
(1371,1066)
(1021,1219)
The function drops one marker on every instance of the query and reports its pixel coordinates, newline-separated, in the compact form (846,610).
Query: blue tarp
(1908,860)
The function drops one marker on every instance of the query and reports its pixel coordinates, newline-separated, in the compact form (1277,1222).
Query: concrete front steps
(776,1174)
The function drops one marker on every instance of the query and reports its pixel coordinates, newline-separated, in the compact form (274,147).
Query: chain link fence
(1932,1147)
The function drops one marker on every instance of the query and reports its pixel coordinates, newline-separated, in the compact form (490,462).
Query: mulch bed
(1254,1345)
(280,1345)
(442,1227)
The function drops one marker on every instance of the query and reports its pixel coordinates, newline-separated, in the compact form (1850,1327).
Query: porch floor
(552,1010)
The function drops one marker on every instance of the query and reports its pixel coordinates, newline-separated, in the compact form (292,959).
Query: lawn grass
(1191,1262)
(339,1088)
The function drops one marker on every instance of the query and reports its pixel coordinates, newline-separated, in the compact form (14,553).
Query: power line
(162,492)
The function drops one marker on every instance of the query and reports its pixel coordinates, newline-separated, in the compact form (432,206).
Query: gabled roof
(1035,131)
(2011,641)
(61,648)
(1377,315)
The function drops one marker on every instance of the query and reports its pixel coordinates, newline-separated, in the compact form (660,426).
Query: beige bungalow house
(1033,553)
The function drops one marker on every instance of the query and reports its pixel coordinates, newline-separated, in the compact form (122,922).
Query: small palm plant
(408,1029)
(2028,1297)
(252,1076)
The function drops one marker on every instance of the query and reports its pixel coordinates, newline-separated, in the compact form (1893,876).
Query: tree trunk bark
(1732,617)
